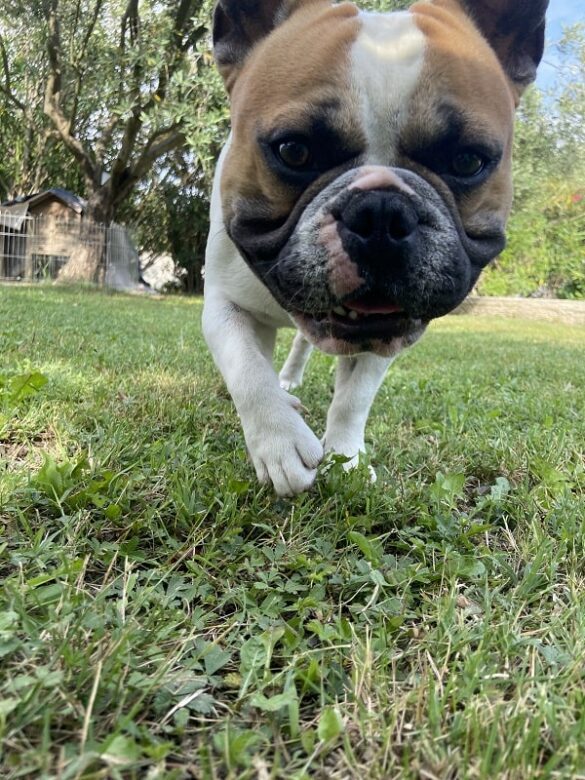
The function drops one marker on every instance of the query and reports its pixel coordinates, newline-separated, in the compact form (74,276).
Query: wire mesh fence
(46,248)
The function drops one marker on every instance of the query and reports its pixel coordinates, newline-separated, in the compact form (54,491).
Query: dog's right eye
(298,157)
(468,165)
(294,154)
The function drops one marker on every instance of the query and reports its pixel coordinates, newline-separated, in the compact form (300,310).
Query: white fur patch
(387,60)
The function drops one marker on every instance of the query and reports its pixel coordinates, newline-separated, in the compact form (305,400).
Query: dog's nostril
(401,222)
(363,221)
(380,215)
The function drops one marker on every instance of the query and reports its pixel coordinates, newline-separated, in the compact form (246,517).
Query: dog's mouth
(360,322)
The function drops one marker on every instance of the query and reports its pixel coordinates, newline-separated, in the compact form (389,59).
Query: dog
(365,185)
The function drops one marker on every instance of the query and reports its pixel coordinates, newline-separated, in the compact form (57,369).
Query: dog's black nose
(379,223)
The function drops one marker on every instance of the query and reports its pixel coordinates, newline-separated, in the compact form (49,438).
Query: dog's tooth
(340,310)
(353,315)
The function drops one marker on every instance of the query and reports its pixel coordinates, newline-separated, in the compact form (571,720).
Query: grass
(162,617)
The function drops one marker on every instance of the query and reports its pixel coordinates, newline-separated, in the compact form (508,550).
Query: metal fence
(42,248)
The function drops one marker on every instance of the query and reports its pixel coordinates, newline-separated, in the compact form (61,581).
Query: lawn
(163,617)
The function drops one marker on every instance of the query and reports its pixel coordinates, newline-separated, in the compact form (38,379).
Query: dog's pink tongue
(373,307)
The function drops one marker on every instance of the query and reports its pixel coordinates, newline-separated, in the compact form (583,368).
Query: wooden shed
(39,233)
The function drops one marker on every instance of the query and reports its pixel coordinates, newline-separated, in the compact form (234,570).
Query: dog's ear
(238,25)
(515,30)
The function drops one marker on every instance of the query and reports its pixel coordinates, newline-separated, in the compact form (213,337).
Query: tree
(31,154)
(117,85)
(119,101)
(546,247)
(169,214)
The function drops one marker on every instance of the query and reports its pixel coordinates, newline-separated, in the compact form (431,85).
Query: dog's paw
(354,451)
(284,450)
(291,377)
(288,382)
(291,374)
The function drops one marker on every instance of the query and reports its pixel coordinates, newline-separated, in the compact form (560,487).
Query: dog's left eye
(294,154)
(468,164)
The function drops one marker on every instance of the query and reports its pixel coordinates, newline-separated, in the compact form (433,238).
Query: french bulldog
(365,185)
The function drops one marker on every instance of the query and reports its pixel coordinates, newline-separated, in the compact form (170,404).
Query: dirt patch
(18,454)
(551,309)
(13,454)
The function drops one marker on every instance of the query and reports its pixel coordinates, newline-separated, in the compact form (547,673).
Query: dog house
(48,237)
(38,234)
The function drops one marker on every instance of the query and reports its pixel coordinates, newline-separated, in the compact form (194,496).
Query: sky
(561,13)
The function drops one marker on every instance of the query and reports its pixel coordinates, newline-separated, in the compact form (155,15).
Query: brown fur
(275,89)
(461,68)
(255,24)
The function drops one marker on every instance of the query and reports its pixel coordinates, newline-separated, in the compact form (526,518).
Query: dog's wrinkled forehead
(307,38)
(370,68)
(514,29)
(419,72)
(301,72)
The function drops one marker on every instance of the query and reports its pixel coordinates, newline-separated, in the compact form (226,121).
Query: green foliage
(173,218)
(330,724)
(546,247)
(14,390)
(384,5)
(118,84)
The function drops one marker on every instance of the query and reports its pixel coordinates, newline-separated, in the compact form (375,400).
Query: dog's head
(368,180)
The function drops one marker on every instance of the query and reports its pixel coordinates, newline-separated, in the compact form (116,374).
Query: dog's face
(368,179)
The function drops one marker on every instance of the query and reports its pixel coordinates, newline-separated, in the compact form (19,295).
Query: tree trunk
(88,260)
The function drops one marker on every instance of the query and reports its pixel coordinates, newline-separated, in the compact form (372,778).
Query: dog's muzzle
(372,258)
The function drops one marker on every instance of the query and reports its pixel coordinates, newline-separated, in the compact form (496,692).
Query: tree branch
(6,88)
(52,103)
(105,137)
(160,143)
(179,44)
(80,56)
(183,37)
(130,20)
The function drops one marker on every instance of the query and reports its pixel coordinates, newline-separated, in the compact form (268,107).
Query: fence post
(29,241)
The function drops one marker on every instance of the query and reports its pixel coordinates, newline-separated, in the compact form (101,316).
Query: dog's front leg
(283,448)
(291,374)
(357,381)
